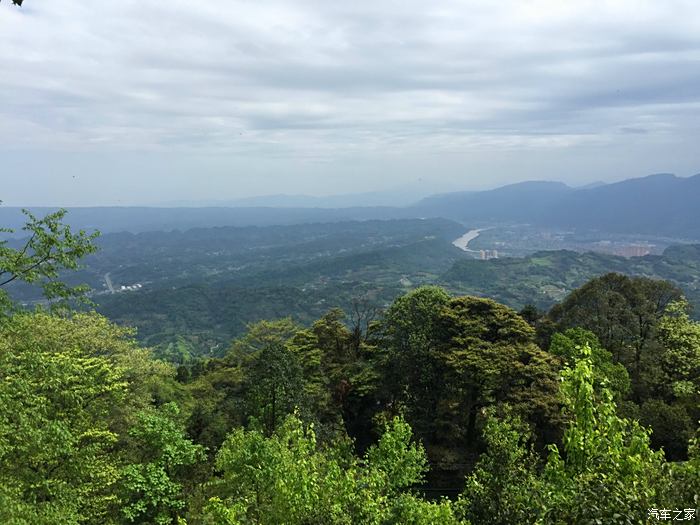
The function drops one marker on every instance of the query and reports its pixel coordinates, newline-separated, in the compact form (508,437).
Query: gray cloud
(321,97)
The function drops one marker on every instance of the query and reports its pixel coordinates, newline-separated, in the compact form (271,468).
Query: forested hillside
(200,288)
(207,309)
(436,409)
(547,277)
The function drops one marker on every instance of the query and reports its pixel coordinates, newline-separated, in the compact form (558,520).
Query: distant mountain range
(522,202)
(396,198)
(660,205)
(144,219)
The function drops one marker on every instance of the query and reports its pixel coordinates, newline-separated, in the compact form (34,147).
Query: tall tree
(222,387)
(608,373)
(491,357)
(447,359)
(680,359)
(275,387)
(412,373)
(673,411)
(504,487)
(607,472)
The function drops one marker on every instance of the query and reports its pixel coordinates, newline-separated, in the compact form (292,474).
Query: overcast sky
(132,102)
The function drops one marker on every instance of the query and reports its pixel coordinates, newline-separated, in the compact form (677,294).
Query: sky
(144,102)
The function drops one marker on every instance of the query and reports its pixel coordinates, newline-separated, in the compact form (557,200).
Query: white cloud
(323,80)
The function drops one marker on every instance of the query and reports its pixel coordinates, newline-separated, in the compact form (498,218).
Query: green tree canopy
(608,373)
(606,473)
(624,313)
(288,478)
(158,453)
(71,388)
(50,246)
(60,380)
(446,359)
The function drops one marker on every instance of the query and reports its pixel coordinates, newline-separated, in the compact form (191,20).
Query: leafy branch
(50,247)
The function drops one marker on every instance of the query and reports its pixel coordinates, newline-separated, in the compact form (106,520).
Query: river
(463,242)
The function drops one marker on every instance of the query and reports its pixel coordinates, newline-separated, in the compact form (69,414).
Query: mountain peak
(660,177)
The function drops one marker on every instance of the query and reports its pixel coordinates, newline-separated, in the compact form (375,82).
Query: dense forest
(438,408)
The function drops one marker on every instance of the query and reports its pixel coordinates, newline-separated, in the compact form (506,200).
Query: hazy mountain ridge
(521,202)
(394,198)
(663,204)
(660,204)
(145,219)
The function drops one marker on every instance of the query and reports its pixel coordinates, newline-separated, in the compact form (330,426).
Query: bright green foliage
(684,485)
(674,409)
(644,324)
(400,461)
(504,487)
(51,246)
(287,478)
(268,479)
(150,487)
(69,391)
(609,474)
(680,360)
(608,373)
(58,386)
(407,509)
